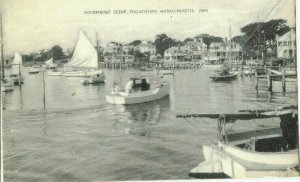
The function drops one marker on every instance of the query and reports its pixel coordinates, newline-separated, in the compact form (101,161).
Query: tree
(257,33)
(208,39)
(56,53)
(163,42)
(187,40)
(135,42)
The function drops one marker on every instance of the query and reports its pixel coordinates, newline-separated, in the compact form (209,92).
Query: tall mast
(2,57)
(230,46)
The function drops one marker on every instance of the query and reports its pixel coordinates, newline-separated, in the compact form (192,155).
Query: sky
(32,25)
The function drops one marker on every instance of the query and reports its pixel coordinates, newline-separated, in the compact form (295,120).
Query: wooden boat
(224,75)
(139,90)
(34,70)
(94,78)
(84,60)
(260,153)
(16,76)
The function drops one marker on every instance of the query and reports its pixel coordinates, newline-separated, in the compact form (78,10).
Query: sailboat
(50,64)
(84,62)
(226,74)
(16,66)
(265,152)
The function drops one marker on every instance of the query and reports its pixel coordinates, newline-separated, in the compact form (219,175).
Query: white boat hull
(75,74)
(240,163)
(139,97)
(34,71)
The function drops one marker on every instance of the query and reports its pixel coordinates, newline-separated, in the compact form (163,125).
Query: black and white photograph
(147,90)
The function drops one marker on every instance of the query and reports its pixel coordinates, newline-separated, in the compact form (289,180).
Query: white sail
(49,62)
(17,59)
(85,55)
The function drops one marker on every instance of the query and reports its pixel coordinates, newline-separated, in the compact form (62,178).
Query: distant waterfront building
(147,46)
(221,51)
(178,54)
(127,48)
(198,48)
(112,47)
(286,45)
(119,58)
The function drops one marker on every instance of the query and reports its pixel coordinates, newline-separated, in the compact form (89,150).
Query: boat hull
(141,97)
(225,78)
(76,74)
(94,80)
(235,162)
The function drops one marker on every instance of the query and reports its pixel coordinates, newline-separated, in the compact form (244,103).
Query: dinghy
(94,78)
(266,152)
(34,70)
(224,75)
(139,90)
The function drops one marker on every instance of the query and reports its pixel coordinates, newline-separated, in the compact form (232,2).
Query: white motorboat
(84,60)
(34,70)
(139,90)
(259,153)
(94,78)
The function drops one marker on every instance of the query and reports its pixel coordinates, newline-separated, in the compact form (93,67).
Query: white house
(286,45)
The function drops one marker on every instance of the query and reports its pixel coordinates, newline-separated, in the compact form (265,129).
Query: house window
(284,43)
(279,43)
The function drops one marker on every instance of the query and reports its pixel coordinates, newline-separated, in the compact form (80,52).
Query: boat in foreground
(224,75)
(139,90)
(259,153)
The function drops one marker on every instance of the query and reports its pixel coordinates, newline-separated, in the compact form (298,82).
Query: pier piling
(269,80)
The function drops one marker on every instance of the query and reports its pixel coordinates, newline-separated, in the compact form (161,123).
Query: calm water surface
(80,137)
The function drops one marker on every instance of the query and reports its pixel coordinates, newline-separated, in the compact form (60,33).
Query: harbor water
(78,136)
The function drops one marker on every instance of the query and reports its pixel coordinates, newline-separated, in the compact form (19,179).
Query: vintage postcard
(129,90)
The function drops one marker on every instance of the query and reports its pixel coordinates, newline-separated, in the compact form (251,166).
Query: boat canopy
(17,59)
(85,55)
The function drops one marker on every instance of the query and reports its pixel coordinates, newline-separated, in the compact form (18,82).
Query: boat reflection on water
(139,119)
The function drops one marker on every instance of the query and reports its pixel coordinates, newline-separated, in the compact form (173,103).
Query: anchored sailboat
(16,76)
(84,62)
(50,64)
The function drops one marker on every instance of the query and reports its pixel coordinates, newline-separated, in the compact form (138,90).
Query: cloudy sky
(32,25)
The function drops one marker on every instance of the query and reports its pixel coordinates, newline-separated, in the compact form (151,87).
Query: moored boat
(84,60)
(224,75)
(34,70)
(260,153)
(94,78)
(139,90)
